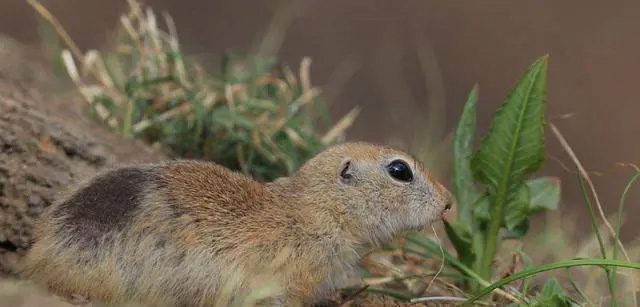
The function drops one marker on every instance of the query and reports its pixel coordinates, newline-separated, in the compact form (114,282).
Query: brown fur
(197,234)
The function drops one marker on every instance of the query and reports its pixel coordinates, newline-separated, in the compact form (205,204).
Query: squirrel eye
(399,170)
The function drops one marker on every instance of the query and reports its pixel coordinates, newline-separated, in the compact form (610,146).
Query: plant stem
(491,239)
(478,237)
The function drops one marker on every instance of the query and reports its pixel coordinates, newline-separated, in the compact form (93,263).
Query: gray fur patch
(106,204)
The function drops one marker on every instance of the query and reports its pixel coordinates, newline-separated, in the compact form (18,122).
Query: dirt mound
(46,144)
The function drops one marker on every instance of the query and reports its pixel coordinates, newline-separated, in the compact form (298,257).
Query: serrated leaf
(465,191)
(514,145)
(517,209)
(545,194)
(460,238)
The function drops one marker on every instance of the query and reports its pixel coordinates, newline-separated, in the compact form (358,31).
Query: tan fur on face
(197,234)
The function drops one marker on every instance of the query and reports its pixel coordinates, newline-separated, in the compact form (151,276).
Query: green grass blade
(596,230)
(623,198)
(592,216)
(578,289)
(549,267)
(528,262)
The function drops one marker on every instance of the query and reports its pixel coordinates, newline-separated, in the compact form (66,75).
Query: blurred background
(410,65)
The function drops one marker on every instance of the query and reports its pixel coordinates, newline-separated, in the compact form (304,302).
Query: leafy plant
(495,199)
(512,149)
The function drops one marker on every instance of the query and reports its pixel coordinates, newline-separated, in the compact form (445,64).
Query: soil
(46,144)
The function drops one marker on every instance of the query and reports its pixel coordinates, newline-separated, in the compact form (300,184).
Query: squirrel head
(372,191)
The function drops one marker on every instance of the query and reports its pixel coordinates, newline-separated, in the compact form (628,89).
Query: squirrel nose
(448,198)
(444,197)
(448,203)
(447,207)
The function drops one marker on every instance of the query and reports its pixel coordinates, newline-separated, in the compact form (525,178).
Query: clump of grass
(254,114)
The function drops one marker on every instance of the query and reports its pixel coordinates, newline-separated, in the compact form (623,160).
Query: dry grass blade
(585,175)
(99,72)
(339,128)
(57,26)
(442,257)
(305,74)
(142,125)
(276,30)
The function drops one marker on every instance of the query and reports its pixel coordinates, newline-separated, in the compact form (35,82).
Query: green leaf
(534,196)
(552,295)
(513,148)
(460,237)
(517,208)
(464,190)
(514,145)
(545,194)
(518,231)
(481,209)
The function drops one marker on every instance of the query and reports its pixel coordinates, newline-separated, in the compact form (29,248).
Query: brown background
(594,48)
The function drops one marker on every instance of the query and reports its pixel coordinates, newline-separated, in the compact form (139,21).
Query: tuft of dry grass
(254,114)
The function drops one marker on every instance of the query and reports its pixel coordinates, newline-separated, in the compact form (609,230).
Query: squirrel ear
(346,173)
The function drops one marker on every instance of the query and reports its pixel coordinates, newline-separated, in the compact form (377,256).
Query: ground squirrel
(187,233)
